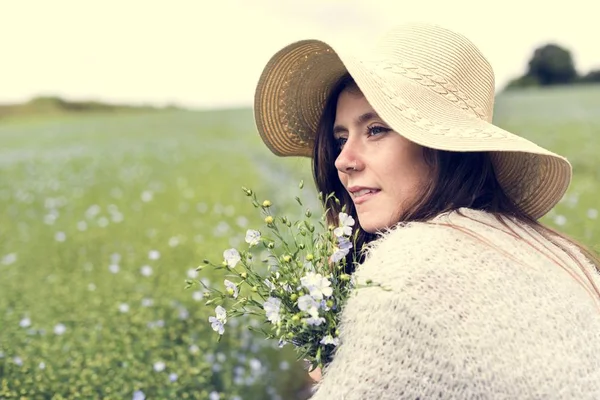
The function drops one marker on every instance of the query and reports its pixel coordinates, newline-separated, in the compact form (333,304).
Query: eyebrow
(359,121)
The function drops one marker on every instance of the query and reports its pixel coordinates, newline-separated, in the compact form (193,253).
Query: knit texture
(474,313)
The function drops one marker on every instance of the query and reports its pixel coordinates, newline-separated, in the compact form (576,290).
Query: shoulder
(448,241)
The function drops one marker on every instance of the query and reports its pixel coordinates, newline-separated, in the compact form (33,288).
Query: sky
(209,54)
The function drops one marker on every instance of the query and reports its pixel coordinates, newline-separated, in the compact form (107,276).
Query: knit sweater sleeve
(389,339)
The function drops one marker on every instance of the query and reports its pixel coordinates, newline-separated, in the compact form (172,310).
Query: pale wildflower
(60,236)
(592,213)
(218,322)
(231,288)
(146,302)
(139,395)
(345,228)
(272,307)
(232,257)
(154,255)
(82,225)
(159,366)
(9,258)
(328,339)
(308,304)
(317,284)
(59,329)
(252,237)
(124,307)
(198,295)
(146,270)
(114,268)
(25,322)
(342,250)
(316,321)
(270,285)
(173,377)
(192,273)
(560,220)
(214,396)
(146,196)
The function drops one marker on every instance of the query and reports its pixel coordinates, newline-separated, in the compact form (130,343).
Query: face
(383,172)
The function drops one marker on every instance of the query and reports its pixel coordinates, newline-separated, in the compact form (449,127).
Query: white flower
(154,255)
(270,285)
(60,236)
(314,321)
(317,285)
(592,213)
(560,220)
(114,268)
(147,196)
(218,322)
(330,340)
(192,273)
(308,304)
(232,257)
(271,307)
(344,246)
(146,270)
(345,228)
(172,377)
(231,288)
(214,396)
(252,237)
(139,395)
(146,302)
(25,323)
(197,295)
(9,258)
(159,366)
(59,329)
(124,307)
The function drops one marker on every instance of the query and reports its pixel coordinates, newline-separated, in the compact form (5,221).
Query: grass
(107,215)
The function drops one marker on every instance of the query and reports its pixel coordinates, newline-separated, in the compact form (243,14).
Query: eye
(340,142)
(377,130)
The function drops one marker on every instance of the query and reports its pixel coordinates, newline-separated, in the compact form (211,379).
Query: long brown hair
(465,179)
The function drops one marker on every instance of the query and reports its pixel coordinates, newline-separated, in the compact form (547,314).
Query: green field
(105,216)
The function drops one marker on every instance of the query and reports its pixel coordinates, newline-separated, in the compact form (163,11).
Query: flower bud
(247,191)
(287,258)
(345,277)
(301,246)
(271,245)
(308,213)
(296,318)
(205,261)
(301,185)
(206,294)
(329,303)
(244,275)
(368,281)
(294,297)
(269,220)
(230,291)
(337,332)
(254,288)
(309,257)
(266,204)
(199,268)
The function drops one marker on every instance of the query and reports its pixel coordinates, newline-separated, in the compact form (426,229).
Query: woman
(486,302)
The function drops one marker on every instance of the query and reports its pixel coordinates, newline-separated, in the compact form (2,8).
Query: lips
(361,194)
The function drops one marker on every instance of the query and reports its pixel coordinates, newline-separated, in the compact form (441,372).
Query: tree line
(552,65)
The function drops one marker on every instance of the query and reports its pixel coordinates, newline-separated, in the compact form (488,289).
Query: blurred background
(126,133)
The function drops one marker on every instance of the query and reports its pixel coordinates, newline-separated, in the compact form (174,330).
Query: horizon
(119,55)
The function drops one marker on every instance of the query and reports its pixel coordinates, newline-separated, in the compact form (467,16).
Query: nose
(349,158)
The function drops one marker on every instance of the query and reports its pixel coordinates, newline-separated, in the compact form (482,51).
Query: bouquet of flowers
(301,292)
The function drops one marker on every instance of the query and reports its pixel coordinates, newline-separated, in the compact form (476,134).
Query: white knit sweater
(467,321)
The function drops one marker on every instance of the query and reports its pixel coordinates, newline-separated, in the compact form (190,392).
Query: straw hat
(428,83)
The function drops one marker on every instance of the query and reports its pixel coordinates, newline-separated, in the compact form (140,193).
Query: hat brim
(297,80)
